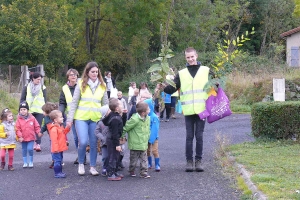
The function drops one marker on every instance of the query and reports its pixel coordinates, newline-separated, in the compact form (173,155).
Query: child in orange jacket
(58,141)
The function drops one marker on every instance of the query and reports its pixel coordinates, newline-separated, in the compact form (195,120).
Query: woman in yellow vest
(89,95)
(66,97)
(35,95)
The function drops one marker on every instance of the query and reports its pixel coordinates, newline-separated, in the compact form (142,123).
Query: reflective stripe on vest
(68,96)
(35,103)
(192,95)
(89,104)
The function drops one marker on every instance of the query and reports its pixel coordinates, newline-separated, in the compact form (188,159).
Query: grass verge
(273,165)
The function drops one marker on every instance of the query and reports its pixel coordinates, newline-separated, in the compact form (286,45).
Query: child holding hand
(58,141)
(9,142)
(27,127)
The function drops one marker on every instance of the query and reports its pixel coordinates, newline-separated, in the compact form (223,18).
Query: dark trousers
(112,155)
(39,117)
(108,94)
(194,128)
(168,111)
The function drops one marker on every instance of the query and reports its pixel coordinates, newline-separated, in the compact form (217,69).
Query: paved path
(171,183)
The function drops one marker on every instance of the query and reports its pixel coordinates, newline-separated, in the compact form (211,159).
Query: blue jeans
(86,133)
(27,147)
(57,158)
(194,128)
(75,136)
(104,157)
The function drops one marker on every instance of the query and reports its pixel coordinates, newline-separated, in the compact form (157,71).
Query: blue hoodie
(154,122)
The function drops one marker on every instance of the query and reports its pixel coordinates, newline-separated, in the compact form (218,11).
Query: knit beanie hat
(24,104)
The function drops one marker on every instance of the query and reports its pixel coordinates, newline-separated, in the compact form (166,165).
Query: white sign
(279,89)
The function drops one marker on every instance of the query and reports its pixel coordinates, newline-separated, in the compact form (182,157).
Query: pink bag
(218,106)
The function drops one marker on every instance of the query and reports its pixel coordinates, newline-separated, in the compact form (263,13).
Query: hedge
(276,119)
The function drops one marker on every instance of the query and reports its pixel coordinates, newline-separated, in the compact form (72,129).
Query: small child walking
(9,142)
(47,108)
(115,124)
(27,127)
(138,129)
(167,99)
(153,140)
(101,132)
(58,141)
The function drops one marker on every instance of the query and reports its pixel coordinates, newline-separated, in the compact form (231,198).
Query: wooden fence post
(9,71)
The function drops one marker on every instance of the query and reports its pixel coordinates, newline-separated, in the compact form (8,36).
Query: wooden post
(42,72)
(25,75)
(9,71)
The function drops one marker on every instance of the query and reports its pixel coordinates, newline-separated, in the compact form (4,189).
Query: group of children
(141,125)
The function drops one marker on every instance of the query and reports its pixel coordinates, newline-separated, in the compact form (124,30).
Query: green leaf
(156,77)
(153,68)
(170,82)
(165,67)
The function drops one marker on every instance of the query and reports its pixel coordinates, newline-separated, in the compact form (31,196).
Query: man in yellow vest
(191,81)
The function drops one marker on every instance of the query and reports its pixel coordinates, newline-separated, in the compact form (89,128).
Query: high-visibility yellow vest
(35,103)
(89,103)
(68,96)
(192,95)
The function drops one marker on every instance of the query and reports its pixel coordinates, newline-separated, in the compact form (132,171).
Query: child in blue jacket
(153,140)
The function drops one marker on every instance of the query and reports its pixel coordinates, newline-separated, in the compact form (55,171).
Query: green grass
(7,101)
(274,166)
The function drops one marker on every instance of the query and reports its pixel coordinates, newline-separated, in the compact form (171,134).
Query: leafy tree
(36,32)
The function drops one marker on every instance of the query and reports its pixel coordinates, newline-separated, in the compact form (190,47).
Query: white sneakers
(81,170)
(93,171)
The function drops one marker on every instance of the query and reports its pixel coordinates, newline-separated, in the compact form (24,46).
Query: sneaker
(132,174)
(161,119)
(104,172)
(51,165)
(30,165)
(34,146)
(38,148)
(119,175)
(198,166)
(145,175)
(25,165)
(93,171)
(60,175)
(81,170)
(10,168)
(167,120)
(113,177)
(189,166)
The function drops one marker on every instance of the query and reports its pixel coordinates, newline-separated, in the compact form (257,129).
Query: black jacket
(62,98)
(115,124)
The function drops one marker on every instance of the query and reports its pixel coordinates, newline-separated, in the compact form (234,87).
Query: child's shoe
(2,165)
(34,146)
(145,175)
(149,162)
(30,165)
(157,165)
(38,148)
(119,175)
(132,174)
(51,165)
(25,165)
(10,168)
(113,177)
(167,120)
(60,175)
(104,172)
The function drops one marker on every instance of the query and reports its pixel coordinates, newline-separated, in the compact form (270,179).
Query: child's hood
(103,110)
(51,125)
(150,103)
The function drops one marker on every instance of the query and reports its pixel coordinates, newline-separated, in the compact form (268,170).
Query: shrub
(276,119)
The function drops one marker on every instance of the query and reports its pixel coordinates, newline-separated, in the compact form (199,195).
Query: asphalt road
(172,182)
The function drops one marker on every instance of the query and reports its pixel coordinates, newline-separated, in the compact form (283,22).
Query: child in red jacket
(58,141)
(26,128)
